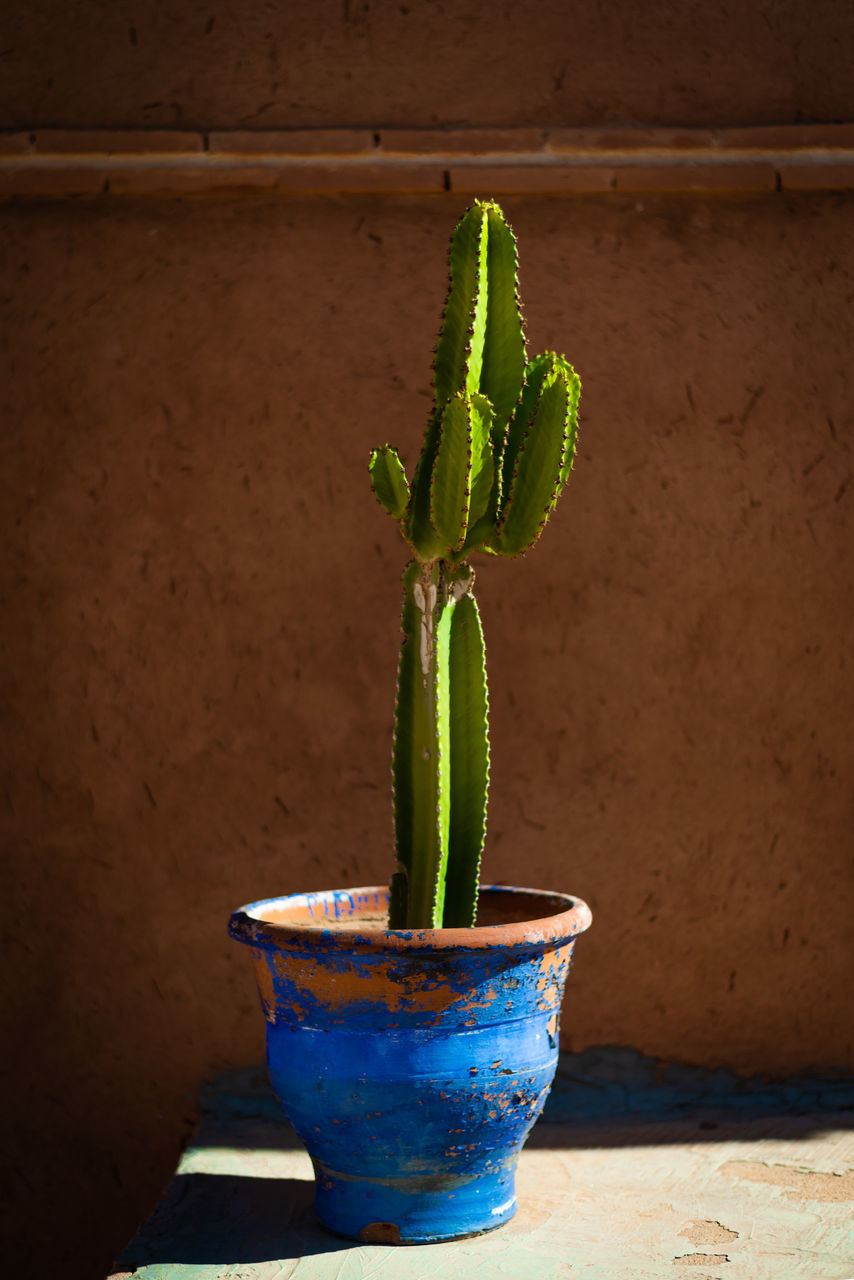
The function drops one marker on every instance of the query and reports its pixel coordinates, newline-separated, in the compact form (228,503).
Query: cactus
(497,451)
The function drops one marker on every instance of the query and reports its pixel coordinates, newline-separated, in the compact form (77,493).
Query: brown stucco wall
(201,596)
(381,62)
(202,604)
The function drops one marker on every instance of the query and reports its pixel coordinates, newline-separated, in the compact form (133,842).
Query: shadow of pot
(412,1064)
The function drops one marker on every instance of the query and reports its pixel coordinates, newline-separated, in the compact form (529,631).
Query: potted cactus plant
(412,1031)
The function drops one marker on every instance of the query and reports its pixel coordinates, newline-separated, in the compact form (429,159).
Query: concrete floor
(636,1168)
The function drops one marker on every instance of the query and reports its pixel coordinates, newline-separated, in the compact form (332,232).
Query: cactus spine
(497,451)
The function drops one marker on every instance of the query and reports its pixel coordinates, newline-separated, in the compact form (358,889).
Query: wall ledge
(91,162)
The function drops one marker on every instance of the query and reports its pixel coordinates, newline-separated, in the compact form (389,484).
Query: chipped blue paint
(412,1074)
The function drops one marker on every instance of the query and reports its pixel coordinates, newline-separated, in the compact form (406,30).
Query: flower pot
(412,1064)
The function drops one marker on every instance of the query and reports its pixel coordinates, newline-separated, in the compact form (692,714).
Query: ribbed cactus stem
(440,759)
(420,756)
(498,449)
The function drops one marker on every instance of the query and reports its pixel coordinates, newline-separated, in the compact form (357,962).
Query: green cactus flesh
(504,344)
(441,755)
(538,458)
(459,351)
(469,763)
(463,470)
(418,528)
(497,452)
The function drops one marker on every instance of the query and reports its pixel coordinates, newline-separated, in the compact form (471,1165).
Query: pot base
(380,1212)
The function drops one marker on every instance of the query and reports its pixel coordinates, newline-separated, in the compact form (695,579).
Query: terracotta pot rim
(248,924)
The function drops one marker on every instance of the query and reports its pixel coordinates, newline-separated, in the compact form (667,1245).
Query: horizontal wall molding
(97,162)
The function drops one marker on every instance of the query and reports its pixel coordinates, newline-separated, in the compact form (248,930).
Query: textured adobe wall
(198,63)
(202,603)
(200,595)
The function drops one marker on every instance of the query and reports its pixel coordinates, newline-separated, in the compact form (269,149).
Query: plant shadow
(210,1218)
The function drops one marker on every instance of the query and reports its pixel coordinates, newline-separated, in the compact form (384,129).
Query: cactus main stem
(420,761)
(440,755)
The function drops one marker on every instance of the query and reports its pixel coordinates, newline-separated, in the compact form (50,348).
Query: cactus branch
(459,351)
(504,342)
(483,463)
(463,470)
(388,481)
(539,453)
(450,484)
(418,527)
(469,760)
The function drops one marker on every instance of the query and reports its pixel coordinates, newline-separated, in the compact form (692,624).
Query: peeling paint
(707,1232)
(389,1059)
(802,1184)
(264,978)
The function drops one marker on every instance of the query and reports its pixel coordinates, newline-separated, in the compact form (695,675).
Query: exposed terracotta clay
(382,1045)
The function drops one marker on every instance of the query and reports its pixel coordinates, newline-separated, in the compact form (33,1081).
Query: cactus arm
(450,484)
(540,466)
(483,465)
(469,755)
(418,528)
(420,759)
(459,350)
(486,491)
(542,370)
(388,481)
(463,471)
(506,442)
(536,373)
(504,343)
(572,413)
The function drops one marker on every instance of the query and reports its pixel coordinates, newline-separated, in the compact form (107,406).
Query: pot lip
(570,917)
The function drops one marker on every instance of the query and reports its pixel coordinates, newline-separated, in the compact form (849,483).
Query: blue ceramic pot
(411,1064)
